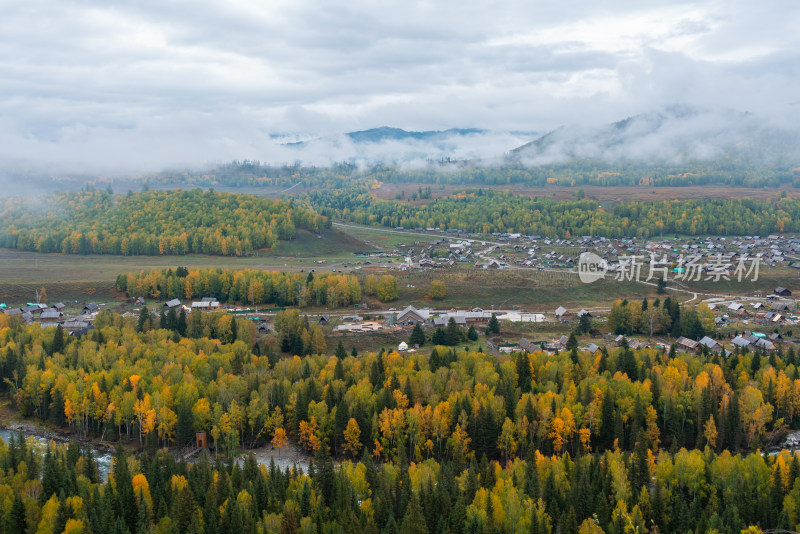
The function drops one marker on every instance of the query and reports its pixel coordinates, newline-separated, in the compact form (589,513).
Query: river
(102,457)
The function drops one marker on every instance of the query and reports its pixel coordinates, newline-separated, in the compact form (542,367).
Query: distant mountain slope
(395,145)
(384,133)
(387,133)
(673,135)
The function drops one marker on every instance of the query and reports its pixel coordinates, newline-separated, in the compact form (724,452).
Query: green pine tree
(472,334)
(144,318)
(494,325)
(417,336)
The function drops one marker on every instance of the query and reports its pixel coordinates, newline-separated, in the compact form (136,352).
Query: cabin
(201,440)
(411,316)
(71,326)
(738,309)
(765,344)
(59,306)
(782,292)
(51,316)
(525,345)
(79,333)
(562,314)
(205,305)
(636,344)
(741,342)
(323,320)
(92,307)
(403,346)
(477,316)
(174,303)
(779,306)
(445,319)
(686,344)
(712,344)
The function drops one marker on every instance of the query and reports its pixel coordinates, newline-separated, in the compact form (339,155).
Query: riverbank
(12,422)
(290,455)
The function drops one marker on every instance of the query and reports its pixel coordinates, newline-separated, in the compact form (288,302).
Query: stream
(101,456)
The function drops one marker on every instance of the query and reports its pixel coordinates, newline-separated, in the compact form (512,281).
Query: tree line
(151,223)
(488,211)
(730,169)
(248,286)
(659,318)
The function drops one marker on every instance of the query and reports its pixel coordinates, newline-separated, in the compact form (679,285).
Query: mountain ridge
(673,134)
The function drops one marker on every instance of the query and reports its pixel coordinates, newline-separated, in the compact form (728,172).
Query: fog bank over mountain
(673,136)
(386,145)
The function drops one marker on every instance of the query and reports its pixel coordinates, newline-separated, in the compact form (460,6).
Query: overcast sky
(139,85)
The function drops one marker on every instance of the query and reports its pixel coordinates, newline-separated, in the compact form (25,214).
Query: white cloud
(147,84)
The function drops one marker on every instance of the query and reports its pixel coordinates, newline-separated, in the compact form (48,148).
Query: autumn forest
(458,441)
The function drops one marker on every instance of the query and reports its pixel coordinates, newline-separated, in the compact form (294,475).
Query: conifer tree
(493,327)
(144,318)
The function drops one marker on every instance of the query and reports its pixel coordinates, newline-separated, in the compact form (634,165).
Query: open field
(84,278)
(21,266)
(385,239)
(543,291)
(602,193)
(332,244)
(529,290)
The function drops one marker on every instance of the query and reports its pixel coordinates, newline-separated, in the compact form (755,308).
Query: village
(755,325)
(719,255)
(745,317)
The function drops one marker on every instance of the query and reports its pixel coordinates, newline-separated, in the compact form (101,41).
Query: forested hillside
(151,223)
(458,440)
(576,172)
(487,210)
(159,383)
